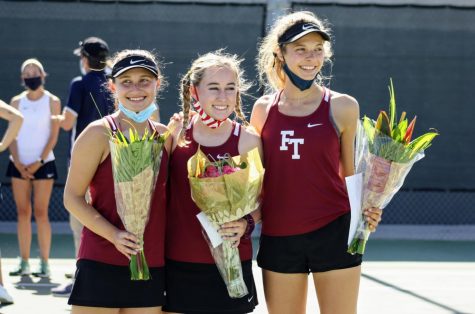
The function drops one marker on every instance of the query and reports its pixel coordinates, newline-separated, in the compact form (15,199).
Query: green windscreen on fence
(177,32)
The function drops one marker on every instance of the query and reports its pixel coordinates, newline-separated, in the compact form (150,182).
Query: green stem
(146,272)
(358,244)
(134,275)
(233,271)
(138,267)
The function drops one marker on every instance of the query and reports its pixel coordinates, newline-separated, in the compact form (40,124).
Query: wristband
(41,161)
(250,226)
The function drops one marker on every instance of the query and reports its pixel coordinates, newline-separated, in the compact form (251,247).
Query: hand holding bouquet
(226,190)
(384,154)
(135,165)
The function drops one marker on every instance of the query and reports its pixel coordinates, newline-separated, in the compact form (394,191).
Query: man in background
(88,100)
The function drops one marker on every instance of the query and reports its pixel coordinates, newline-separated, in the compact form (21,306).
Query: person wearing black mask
(32,166)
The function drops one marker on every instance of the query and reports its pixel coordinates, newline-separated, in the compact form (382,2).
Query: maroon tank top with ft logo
(302,187)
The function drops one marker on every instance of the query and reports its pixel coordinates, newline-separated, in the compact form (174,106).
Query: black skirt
(195,288)
(321,250)
(45,172)
(104,285)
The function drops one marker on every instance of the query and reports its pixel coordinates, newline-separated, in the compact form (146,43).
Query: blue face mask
(141,116)
(300,83)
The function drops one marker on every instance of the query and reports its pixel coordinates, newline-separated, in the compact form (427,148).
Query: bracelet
(41,161)
(250,226)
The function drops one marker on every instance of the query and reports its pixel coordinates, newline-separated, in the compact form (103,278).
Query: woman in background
(32,164)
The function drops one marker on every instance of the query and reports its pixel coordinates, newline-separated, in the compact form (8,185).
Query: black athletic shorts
(103,285)
(45,172)
(320,250)
(195,288)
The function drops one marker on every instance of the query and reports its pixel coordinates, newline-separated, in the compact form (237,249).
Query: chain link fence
(56,212)
(407,207)
(177,32)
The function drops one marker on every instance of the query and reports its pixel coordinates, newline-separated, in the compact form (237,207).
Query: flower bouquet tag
(354,185)
(212,233)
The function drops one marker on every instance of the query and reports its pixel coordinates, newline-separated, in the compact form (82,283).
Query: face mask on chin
(140,116)
(33,83)
(206,118)
(299,82)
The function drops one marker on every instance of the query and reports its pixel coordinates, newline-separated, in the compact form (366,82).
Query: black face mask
(33,83)
(299,82)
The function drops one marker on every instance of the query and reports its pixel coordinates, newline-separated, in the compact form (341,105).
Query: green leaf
(421,143)
(379,121)
(368,126)
(392,104)
(396,134)
(385,124)
(121,137)
(400,131)
(403,117)
(391,141)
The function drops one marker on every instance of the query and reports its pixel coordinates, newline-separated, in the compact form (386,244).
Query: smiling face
(304,56)
(217,92)
(136,88)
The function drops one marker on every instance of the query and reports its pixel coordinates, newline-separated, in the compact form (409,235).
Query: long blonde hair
(269,67)
(195,74)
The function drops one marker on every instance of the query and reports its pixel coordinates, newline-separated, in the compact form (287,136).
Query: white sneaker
(63,291)
(5,298)
(23,269)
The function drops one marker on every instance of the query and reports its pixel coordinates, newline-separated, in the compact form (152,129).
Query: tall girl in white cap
(32,166)
(103,283)
(308,134)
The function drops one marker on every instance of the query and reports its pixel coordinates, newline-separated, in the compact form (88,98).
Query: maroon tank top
(185,242)
(303,190)
(97,248)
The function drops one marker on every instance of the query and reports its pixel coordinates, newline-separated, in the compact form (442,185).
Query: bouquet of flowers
(226,190)
(135,165)
(384,155)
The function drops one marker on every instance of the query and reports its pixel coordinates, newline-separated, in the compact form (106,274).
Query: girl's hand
(57,118)
(373,217)
(126,243)
(176,124)
(33,167)
(23,171)
(233,231)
